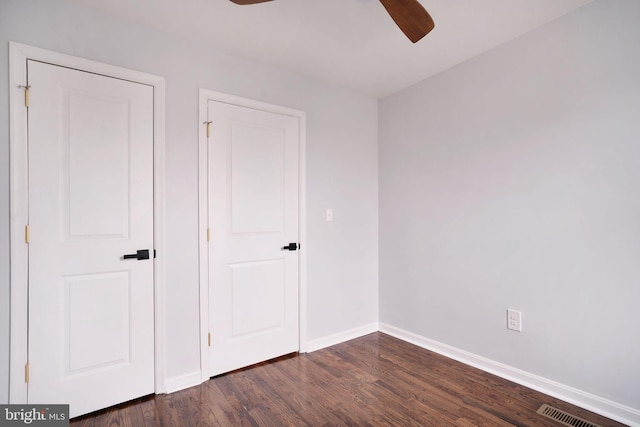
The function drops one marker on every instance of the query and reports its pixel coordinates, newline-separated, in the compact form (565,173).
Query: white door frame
(205,97)
(18,165)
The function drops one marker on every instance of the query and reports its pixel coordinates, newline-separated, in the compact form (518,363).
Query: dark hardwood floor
(375,380)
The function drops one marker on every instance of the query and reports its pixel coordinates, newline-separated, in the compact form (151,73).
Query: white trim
(18,219)
(203,244)
(302,236)
(340,337)
(18,56)
(591,402)
(205,96)
(183,381)
(159,233)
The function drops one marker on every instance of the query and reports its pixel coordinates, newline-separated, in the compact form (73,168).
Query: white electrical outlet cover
(514,320)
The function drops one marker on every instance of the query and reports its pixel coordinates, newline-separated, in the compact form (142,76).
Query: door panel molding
(18,161)
(206,96)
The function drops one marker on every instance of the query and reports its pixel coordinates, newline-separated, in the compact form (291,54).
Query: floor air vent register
(564,417)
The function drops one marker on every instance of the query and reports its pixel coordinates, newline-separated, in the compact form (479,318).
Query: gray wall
(512,181)
(341,165)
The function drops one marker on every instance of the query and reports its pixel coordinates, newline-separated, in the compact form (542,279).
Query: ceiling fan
(414,21)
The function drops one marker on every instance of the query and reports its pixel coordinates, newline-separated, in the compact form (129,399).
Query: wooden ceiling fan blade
(409,15)
(243,2)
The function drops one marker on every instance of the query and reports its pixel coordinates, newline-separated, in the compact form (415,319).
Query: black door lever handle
(290,247)
(139,255)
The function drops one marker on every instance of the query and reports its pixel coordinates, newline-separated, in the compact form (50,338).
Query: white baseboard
(591,402)
(340,337)
(183,381)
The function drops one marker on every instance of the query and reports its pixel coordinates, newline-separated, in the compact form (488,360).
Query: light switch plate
(329,214)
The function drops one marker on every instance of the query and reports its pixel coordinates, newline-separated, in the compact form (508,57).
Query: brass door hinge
(209,339)
(26,94)
(208,128)
(27,234)
(26,373)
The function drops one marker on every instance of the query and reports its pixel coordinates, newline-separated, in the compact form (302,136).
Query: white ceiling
(352,43)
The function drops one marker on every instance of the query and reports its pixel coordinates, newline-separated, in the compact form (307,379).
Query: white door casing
(254,289)
(111,282)
(90,203)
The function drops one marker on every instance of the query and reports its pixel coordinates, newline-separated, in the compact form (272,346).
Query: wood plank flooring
(375,380)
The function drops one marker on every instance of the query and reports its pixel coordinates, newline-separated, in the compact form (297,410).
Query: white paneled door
(253,214)
(91,324)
